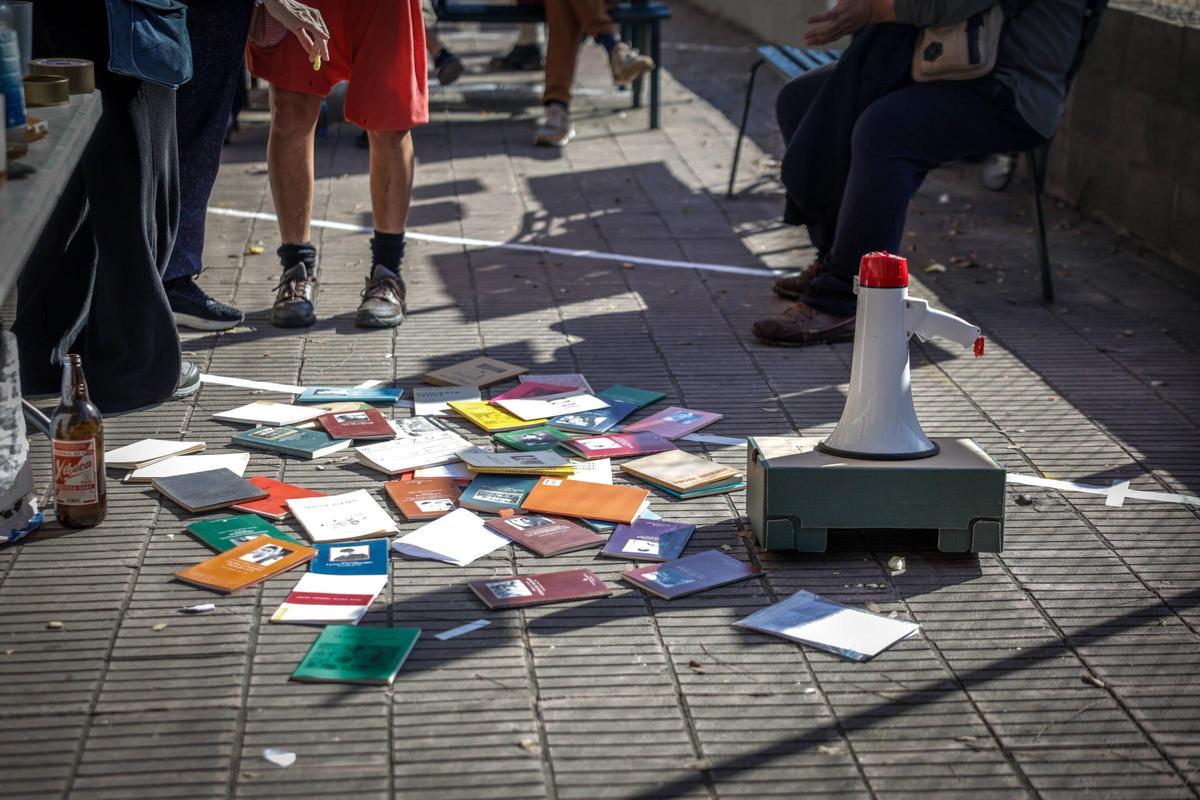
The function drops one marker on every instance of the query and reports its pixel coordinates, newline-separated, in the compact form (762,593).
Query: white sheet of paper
(186,465)
(458,538)
(432,401)
(541,408)
(597,471)
(148,451)
(273,414)
(806,618)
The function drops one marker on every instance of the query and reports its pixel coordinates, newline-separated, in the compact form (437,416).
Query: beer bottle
(77,432)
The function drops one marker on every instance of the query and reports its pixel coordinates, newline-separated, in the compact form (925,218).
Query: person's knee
(389,140)
(293,113)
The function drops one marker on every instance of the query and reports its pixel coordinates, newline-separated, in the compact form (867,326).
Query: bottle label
(76,480)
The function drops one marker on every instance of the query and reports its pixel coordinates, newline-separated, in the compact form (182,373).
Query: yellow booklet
(491,418)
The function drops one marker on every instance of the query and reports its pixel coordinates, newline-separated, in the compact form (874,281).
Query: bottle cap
(882,271)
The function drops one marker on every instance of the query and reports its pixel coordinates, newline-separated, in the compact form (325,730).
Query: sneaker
(189,381)
(628,64)
(193,308)
(293,306)
(448,67)
(802,325)
(556,129)
(521,58)
(383,304)
(794,287)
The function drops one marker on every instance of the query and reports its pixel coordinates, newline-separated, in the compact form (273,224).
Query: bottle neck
(74,385)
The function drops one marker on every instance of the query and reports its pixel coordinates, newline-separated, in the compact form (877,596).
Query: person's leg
(526,52)
(391,179)
(564,34)
(447,66)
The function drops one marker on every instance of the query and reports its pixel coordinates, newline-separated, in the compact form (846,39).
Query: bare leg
(391,179)
(290,160)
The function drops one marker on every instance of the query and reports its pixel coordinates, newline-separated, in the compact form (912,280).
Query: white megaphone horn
(879,421)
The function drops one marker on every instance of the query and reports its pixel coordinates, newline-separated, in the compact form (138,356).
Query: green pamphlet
(227,533)
(350,654)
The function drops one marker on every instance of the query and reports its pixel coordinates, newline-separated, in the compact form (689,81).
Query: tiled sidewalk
(630,697)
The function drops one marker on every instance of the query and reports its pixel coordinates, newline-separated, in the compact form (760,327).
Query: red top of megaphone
(882,271)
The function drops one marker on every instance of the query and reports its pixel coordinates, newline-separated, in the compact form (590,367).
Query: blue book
(350,394)
(367,557)
(648,540)
(599,421)
(495,493)
(290,441)
(732,486)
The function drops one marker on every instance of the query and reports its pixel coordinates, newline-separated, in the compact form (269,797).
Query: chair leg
(737,148)
(1038,158)
(636,39)
(655,86)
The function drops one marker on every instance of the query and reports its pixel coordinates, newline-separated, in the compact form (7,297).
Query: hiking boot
(521,58)
(556,129)
(628,64)
(383,304)
(193,308)
(293,306)
(189,381)
(802,325)
(448,67)
(794,287)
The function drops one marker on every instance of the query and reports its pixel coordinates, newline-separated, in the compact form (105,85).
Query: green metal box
(795,494)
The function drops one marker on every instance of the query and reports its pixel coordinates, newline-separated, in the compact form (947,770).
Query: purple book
(648,540)
(690,574)
(673,422)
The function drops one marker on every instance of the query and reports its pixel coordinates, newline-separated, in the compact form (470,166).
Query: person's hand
(305,23)
(845,18)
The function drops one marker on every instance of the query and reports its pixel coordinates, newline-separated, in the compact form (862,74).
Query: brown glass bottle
(77,444)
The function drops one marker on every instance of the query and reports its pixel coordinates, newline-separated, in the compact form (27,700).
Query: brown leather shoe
(293,306)
(793,288)
(383,304)
(801,325)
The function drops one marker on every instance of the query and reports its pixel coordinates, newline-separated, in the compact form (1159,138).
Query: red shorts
(376,45)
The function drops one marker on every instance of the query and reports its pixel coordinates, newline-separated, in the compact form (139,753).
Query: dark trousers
(93,284)
(217,29)
(862,137)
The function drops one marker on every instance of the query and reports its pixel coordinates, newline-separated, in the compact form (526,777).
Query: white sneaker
(628,64)
(556,130)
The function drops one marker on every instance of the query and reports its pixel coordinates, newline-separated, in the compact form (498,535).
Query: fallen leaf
(727,548)
(279,757)
(159,626)
(873,607)
(1092,680)
(745,534)
(1024,500)
(255,250)
(696,667)
(936,267)
(530,744)
(626,265)
(897,565)
(55,625)
(810,690)
(832,749)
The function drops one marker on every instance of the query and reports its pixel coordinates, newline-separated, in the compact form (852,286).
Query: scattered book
(531,389)
(490,418)
(537,462)
(629,394)
(458,538)
(247,564)
(419,442)
(681,472)
(545,536)
(619,445)
(368,557)
(433,401)
(274,505)
(322,599)
(380,395)
(517,591)
(267,413)
(184,465)
(706,490)
(208,490)
(334,408)
(598,470)
(572,379)
(147,452)
(771,447)
(337,517)
(603,526)
(545,407)
(481,371)
(349,654)
(600,420)
(543,437)
(290,441)
(424,498)
(690,574)
(495,493)
(559,497)
(229,532)
(814,621)
(673,422)
(648,540)
(369,424)
(455,470)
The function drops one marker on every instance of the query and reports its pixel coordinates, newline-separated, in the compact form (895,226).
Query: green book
(227,533)
(349,654)
(290,441)
(630,394)
(543,437)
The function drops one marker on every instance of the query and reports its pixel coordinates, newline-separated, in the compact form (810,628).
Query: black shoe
(293,306)
(383,304)
(193,308)
(189,381)
(448,67)
(521,58)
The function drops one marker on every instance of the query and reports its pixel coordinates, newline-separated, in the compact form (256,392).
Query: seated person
(862,135)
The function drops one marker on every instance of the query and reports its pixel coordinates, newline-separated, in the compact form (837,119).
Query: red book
(516,591)
(619,445)
(274,505)
(530,390)
(545,536)
(363,424)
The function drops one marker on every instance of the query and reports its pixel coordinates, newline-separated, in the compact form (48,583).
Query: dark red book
(619,445)
(516,591)
(545,536)
(690,574)
(363,424)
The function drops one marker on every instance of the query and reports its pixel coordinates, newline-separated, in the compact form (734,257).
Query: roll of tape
(79,72)
(46,90)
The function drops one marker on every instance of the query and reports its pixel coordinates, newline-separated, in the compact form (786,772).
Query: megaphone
(879,421)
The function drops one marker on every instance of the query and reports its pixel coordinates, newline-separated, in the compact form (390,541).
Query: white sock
(530,33)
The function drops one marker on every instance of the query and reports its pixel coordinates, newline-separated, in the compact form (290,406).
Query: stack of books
(683,475)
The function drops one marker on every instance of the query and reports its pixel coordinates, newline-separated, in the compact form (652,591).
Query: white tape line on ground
(1121,488)
(489,244)
(245,383)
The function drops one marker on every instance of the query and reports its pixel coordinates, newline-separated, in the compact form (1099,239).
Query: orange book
(247,564)
(569,498)
(274,505)
(424,498)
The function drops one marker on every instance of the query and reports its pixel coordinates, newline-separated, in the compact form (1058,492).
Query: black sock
(292,254)
(560,103)
(387,249)
(607,41)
